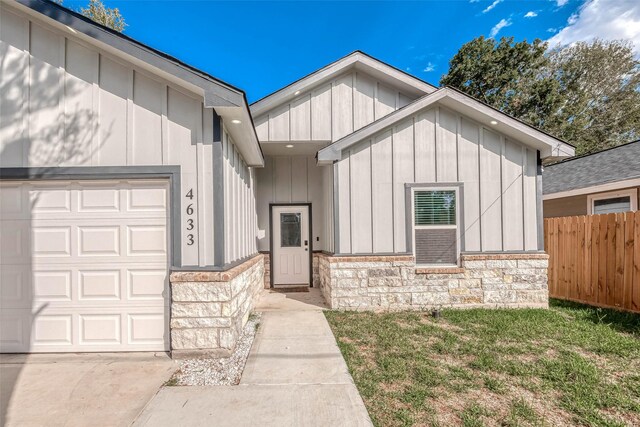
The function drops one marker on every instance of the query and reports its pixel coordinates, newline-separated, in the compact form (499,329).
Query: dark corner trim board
(218,193)
(172,173)
(539,204)
(271,206)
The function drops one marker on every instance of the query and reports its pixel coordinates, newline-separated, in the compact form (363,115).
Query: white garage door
(83,266)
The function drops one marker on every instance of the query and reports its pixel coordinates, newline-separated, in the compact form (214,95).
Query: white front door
(290,234)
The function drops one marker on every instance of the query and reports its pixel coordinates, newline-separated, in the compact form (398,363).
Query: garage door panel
(103,240)
(86,268)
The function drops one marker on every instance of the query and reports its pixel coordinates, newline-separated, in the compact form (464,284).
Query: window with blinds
(435,226)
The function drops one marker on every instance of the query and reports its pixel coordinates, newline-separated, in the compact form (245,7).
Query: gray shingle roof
(615,164)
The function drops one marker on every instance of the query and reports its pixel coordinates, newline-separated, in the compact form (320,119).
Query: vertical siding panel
(147,126)
(262,128)
(403,162)
(385,101)
(529,200)
(265,185)
(315,196)
(425,146)
(282,178)
(344,200)
(321,114)
(361,198)
(469,175)
(301,119)
(327,242)
(403,100)
(206,176)
(446,150)
(490,210)
(299,179)
(363,101)
(279,124)
(342,107)
(382,189)
(512,197)
(115,81)
(46,77)
(80,66)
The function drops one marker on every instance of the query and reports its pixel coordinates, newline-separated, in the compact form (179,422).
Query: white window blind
(435,226)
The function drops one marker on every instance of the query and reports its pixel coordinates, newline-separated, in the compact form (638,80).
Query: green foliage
(587,94)
(109,17)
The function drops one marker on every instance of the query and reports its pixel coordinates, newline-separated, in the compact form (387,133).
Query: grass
(569,365)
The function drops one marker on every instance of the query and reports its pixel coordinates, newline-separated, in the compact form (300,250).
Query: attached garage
(84,265)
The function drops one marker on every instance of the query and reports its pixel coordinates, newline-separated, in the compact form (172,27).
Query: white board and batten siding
(437,146)
(332,110)
(240,220)
(67,103)
(296,179)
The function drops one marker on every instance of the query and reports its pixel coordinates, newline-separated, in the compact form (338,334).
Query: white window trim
(422,227)
(632,193)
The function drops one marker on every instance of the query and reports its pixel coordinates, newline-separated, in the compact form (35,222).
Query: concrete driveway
(79,389)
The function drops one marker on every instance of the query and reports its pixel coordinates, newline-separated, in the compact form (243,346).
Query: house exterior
(415,196)
(127,193)
(144,204)
(604,182)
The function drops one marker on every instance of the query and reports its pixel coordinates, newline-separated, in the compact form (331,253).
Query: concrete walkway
(295,376)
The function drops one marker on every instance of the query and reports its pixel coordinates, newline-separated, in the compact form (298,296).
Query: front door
(290,239)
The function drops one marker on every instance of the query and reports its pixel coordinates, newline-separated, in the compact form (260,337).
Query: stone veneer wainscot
(209,309)
(395,283)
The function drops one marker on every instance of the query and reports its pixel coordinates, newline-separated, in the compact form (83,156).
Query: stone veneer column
(209,309)
(395,283)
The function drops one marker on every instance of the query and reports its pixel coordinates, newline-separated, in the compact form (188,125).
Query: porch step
(290,288)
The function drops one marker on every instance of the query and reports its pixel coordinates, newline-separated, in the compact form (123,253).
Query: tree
(586,94)
(109,17)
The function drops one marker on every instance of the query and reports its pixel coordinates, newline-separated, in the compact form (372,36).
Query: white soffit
(548,146)
(357,60)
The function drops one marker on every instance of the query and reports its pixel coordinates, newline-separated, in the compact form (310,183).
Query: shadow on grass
(621,321)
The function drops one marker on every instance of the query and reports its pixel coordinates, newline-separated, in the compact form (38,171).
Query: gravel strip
(219,371)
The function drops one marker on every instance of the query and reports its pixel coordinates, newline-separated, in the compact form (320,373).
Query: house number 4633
(190,222)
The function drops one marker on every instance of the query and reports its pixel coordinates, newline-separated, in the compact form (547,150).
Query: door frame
(310,219)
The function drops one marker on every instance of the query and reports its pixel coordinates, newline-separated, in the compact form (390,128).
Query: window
(435,226)
(290,230)
(616,201)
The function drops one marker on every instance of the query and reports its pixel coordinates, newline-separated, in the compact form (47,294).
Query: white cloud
(500,25)
(530,14)
(603,19)
(430,67)
(561,3)
(492,5)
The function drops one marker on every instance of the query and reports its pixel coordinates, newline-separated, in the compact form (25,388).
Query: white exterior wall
(240,219)
(296,179)
(331,111)
(64,102)
(436,146)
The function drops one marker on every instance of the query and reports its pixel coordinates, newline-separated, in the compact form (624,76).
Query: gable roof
(549,146)
(228,101)
(358,60)
(619,163)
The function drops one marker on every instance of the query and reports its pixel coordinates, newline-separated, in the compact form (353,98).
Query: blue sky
(262,46)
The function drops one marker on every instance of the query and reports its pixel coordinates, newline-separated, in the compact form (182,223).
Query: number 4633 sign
(190,221)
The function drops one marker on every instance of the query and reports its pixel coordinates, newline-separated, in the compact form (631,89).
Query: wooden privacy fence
(595,259)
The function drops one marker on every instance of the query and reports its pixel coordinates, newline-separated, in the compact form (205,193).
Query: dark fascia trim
(216,92)
(172,173)
(271,206)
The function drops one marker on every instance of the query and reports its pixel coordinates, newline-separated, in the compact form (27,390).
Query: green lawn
(569,365)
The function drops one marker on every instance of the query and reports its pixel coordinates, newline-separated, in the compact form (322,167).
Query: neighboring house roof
(358,60)
(228,101)
(549,146)
(621,163)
